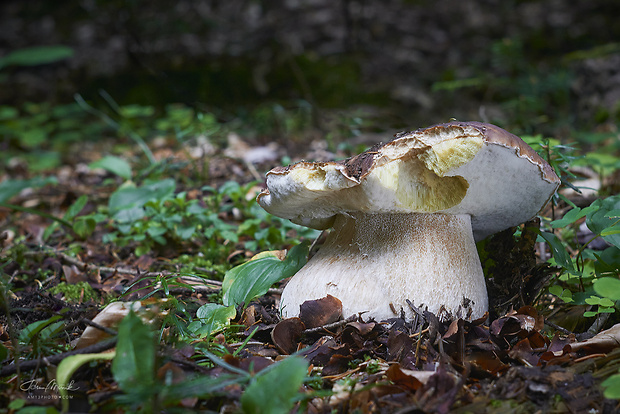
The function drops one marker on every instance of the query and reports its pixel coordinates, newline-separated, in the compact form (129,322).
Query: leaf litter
(510,361)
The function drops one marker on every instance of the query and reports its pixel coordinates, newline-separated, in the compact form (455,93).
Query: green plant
(589,277)
(41,338)
(40,133)
(135,362)
(152,215)
(287,377)
(75,292)
(527,90)
(211,318)
(242,284)
(251,279)
(133,366)
(36,55)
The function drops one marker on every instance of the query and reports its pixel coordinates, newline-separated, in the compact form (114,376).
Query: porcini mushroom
(406,216)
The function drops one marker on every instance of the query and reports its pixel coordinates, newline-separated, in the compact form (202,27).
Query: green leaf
(115,165)
(129,196)
(612,387)
(33,409)
(572,216)
(76,207)
(67,368)
(214,318)
(613,214)
(608,287)
(136,111)
(610,231)
(84,226)
(185,232)
(251,279)
(275,390)
(560,254)
(17,404)
(9,188)
(600,223)
(564,294)
(607,261)
(133,366)
(4,352)
(37,55)
(35,328)
(129,215)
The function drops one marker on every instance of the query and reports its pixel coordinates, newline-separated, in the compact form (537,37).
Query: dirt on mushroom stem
(374,263)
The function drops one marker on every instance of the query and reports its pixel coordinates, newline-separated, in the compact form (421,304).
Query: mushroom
(406,216)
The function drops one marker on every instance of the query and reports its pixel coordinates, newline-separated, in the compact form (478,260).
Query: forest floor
(66,253)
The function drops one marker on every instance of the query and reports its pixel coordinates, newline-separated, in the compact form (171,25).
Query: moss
(78,292)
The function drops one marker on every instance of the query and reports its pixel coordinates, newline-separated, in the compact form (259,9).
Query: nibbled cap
(455,168)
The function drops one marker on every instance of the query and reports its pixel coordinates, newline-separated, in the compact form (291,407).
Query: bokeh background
(535,66)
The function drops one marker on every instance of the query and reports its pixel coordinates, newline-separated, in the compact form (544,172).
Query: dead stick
(55,359)
(85,267)
(329,326)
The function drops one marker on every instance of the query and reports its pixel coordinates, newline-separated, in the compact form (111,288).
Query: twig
(416,310)
(253,171)
(598,323)
(55,359)
(558,327)
(118,270)
(329,326)
(187,363)
(97,326)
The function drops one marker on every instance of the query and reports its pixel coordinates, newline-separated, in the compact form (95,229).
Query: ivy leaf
(251,279)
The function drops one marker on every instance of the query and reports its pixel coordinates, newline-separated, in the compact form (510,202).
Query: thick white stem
(373,263)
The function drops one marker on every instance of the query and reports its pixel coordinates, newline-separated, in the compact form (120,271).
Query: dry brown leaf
(604,341)
(109,317)
(319,312)
(286,334)
(407,378)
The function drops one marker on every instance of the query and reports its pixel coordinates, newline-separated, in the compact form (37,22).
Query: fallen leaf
(407,378)
(73,275)
(109,317)
(602,342)
(286,334)
(319,312)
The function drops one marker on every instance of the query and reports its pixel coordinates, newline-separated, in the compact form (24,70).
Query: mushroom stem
(373,263)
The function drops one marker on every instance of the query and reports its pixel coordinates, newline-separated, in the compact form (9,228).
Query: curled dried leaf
(286,335)
(319,312)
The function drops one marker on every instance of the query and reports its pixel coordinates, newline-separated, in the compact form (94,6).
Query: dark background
(548,66)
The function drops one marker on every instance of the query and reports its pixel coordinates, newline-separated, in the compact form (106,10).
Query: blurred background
(305,70)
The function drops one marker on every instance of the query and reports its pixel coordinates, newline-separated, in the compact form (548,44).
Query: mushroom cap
(455,168)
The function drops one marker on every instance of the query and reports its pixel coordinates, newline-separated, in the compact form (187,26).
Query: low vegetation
(136,204)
